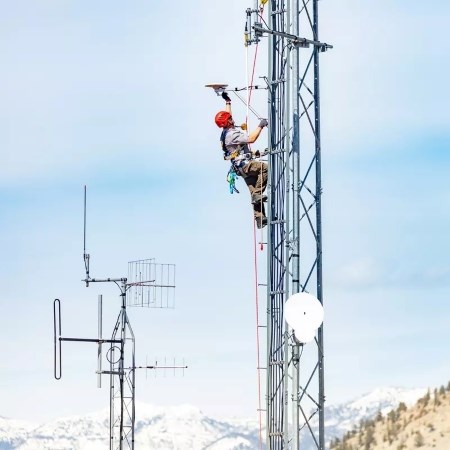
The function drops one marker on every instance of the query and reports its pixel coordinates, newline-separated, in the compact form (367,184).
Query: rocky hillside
(426,425)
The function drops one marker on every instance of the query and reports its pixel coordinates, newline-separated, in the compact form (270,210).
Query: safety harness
(238,159)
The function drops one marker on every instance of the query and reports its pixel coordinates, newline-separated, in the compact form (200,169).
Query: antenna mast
(85,255)
(149,284)
(295,372)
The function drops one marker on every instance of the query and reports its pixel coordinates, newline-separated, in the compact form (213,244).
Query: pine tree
(419,441)
(335,443)
(369,438)
(436,401)
(402,407)
(425,399)
(391,416)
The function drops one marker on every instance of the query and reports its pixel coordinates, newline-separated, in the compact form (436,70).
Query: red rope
(258,368)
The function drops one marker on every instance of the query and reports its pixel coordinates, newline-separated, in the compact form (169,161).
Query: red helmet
(222,118)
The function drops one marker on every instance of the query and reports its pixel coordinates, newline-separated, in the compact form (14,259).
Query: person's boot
(261,222)
(257,198)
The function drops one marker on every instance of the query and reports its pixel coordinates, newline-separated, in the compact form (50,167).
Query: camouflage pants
(255,176)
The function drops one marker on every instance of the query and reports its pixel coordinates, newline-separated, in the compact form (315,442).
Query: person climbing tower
(236,150)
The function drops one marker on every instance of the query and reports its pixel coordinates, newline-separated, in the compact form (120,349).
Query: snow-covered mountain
(171,428)
(186,427)
(342,418)
(13,431)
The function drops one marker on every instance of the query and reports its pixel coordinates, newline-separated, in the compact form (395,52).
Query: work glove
(263,123)
(226,97)
(259,154)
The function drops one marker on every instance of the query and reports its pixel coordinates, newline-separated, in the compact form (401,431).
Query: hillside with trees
(425,426)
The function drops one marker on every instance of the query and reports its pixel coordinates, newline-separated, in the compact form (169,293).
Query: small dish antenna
(218,87)
(304,314)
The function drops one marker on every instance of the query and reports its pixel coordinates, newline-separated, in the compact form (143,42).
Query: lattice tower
(295,372)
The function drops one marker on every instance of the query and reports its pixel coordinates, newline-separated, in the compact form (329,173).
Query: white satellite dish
(304,314)
(305,335)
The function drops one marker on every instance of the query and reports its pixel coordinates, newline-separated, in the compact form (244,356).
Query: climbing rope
(258,359)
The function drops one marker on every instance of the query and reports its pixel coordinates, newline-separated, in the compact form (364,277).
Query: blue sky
(111,95)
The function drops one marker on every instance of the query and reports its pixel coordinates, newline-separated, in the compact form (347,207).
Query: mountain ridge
(425,425)
(186,426)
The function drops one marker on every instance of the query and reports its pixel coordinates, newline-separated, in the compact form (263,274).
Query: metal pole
(287,231)
(296,221)
(122,360)
(296,397)
(133,406)
(99,352)
(269,328)
(111,399)
(132,376)
(319,224)
(86,257)
(84,227)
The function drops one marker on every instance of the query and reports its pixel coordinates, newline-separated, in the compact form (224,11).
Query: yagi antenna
(85,255)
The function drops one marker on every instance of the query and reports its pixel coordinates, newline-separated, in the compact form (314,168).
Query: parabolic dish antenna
(304,314)
(305,335)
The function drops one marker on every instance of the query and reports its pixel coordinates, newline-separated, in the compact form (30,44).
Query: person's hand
(263,123)
(226,97)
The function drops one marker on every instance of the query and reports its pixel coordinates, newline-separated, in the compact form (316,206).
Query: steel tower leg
(295,372)
(319,224)
(122,383)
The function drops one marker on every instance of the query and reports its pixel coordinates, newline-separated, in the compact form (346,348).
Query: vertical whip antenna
(85,255)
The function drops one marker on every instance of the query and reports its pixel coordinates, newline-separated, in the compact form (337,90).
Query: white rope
(248,88)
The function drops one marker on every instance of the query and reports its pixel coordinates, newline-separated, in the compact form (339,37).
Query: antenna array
(149,284)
